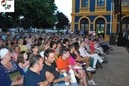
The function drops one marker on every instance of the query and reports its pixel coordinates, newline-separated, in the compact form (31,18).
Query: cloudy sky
(65,6)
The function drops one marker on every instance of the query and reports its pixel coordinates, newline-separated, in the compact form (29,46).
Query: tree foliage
(37,13)
(62,20)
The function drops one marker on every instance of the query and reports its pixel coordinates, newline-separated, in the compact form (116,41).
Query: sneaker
(92,82)
(90,69)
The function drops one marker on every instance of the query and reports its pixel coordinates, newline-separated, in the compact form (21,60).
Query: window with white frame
(100,2)
(84,3)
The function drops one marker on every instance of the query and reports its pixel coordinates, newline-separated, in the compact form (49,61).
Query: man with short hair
(50,66)
(36,75)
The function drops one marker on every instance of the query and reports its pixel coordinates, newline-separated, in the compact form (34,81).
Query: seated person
(50,65)
(77,67)
(22,61)
(8,69)
(63,64)
(36,75)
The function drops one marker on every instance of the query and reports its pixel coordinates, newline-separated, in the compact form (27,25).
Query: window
(84,24)
(100,2)
(100,26)
(84,3)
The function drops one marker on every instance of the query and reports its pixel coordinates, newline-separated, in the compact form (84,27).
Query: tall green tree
(37,13)
(62,20)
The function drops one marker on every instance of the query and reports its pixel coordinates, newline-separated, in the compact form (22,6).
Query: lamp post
(20,21)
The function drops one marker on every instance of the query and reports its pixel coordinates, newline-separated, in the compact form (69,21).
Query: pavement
(116,71)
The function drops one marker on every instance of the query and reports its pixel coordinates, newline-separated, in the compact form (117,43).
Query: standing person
(50,66)
(36,75)
(7,67)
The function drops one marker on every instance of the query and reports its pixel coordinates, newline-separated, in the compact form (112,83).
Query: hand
(19,78)
(45,83)
(66,79)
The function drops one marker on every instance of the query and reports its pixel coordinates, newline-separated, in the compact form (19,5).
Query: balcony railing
(125,8)
(100,8)
(84,9)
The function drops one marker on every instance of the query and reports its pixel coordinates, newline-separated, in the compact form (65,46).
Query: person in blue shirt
(7,67)
(35,76)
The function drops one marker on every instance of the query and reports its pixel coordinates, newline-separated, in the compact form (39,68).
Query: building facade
(98,16)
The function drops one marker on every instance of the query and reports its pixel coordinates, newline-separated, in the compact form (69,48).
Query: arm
(49,77)
(66,79)
(18,81)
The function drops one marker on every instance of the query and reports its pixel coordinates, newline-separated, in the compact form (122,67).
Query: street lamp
(20,21)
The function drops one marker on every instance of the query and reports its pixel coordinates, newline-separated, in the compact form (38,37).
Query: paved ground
(116,71)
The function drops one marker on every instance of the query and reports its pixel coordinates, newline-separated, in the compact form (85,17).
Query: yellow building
(99,16)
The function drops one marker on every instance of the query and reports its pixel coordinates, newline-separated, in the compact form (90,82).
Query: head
(29,40)
(49,55)
(59,43)
(16,48)
(22,57)
(76,45)
(34,48)
(64,53)
(5,54)
(53,44)
(20,41)
(71,48)
(66,41)
(36,62)
(40,41)
(82,43)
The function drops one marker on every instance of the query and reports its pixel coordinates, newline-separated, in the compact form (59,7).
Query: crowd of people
(50,59)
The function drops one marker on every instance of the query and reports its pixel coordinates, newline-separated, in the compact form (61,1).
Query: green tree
(62,20)
(37,13)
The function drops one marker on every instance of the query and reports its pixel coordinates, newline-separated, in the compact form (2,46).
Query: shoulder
(2,70)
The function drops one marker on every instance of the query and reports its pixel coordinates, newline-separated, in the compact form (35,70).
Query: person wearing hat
(10,72)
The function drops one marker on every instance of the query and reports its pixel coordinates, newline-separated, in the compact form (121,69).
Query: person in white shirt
(84,53)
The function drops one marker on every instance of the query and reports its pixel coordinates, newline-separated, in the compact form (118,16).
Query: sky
(65,6)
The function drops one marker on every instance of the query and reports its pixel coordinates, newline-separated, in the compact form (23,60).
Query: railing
(100,8)
(84,9)
(125,8)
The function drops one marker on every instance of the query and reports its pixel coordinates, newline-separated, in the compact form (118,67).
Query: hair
(65,40)
(39,42)
(20,58)
(52,43)
(76,45)
(34,60)
(33,46)
(48,51)
(71,46)
(63,51)
(15,46)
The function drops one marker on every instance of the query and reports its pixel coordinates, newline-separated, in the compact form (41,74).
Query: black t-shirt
(52,69)
(32,79)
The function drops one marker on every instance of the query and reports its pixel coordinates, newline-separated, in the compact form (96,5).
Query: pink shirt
(72,60)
